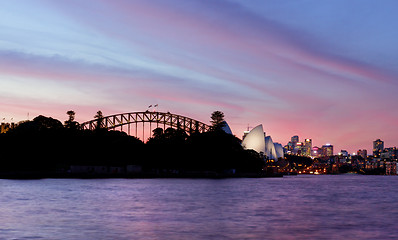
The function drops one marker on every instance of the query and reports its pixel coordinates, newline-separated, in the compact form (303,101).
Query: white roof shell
(255,140)
(279,150)
(270,151)
(226,128)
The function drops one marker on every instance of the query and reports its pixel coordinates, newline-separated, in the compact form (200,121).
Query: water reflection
(303,207)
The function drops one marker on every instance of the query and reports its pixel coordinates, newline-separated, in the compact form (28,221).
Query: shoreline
(204,175)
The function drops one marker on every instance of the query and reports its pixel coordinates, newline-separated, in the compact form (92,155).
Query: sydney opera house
(257,140)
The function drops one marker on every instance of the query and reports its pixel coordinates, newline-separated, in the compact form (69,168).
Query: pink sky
(322,72)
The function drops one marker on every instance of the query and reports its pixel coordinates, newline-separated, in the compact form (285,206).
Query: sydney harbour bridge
(135,123)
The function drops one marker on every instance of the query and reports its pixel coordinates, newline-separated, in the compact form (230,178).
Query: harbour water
(298,207)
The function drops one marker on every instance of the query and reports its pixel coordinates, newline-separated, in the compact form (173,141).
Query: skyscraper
(327,150)
(316,151)
(295,139)
(390,153)
(307,147)
(343,153)
(298,148)
(294,145)
(378,147)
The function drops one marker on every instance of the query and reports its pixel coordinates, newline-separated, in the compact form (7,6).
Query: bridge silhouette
(134,119)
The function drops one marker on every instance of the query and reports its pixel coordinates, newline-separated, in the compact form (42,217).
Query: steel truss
(187,124)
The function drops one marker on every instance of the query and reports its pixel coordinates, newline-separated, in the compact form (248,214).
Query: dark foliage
(217,121)
(44,145)
(300,162)
(211,151)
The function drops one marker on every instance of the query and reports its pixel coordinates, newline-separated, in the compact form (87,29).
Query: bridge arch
(161,119)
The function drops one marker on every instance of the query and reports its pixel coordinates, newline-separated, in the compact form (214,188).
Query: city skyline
(320,70)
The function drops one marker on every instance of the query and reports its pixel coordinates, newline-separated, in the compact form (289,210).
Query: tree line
(46,145)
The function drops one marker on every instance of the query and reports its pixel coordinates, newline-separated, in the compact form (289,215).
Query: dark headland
(46,148)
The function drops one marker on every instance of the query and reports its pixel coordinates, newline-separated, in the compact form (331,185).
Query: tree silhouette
(71,115)
(157,133)
(217,120)
(38,125)
(158,136)
(71,123)
(45,123)
(99,118)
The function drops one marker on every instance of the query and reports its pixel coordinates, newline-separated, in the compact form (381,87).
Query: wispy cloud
(196,56)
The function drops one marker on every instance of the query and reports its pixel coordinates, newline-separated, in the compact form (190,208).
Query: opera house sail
(226,128)
(270,151)
(279,150)
(257,141)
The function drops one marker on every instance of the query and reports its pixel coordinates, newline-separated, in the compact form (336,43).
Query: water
(299,207)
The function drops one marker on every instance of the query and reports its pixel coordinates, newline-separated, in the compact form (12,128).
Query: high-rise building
(327,150)
(290,146)
(316,151)
(298,148)
(378,147)
(391,153)
(295,139)
(306,150)
(363,153)
(343,153)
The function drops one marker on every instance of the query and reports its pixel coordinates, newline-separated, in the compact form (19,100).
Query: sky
(325,70)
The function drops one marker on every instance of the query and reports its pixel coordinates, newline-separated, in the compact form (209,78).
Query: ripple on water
(302,207)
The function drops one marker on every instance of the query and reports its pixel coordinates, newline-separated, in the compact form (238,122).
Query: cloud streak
(196,56)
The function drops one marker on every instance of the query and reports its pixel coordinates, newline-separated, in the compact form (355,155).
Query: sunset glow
(325,70)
